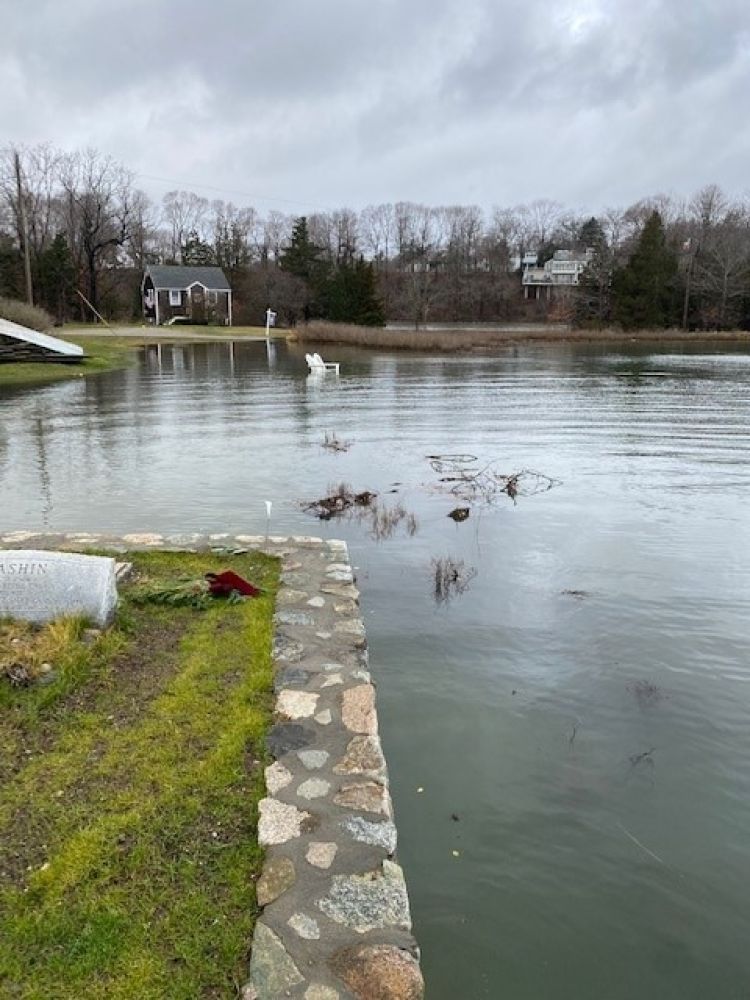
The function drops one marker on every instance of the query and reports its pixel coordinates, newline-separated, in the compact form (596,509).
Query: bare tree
(377,228)
(722,267)
(346,232)
(463,226)
(705,211)
(708,206)
(40,170)
(233,231)
(613,225)
(141,243)
(336,234)
(183,212)
(98,212)
(275,234)
(321,230)
(503,238)
(567,231)
(29,194)
(420,234)
(543,215)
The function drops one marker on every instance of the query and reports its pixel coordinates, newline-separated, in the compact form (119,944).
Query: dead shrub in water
(451,577)
(333,443)
(386,521)
(340,498)
(465,478)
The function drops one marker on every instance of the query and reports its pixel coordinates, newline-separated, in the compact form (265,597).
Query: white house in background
(517,263)
(561,272)
(186,294)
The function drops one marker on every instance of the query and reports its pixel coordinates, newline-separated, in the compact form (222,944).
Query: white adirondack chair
(316,364)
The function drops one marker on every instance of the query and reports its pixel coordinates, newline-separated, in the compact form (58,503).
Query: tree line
(75,226)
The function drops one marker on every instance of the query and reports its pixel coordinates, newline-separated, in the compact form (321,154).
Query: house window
(175,297)
(213,298)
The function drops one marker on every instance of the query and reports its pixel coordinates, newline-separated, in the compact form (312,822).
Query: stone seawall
(335,922)
(20,350)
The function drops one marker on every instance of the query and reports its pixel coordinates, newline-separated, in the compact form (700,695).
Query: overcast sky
(305,104)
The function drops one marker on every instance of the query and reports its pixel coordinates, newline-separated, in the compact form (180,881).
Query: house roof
(166,276)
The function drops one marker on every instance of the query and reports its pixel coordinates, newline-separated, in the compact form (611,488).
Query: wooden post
(97,314)
(688,284)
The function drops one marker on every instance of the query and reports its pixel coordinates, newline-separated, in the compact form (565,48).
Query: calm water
(580,873)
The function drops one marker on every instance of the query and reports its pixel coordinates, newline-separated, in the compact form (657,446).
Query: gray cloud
(591,102)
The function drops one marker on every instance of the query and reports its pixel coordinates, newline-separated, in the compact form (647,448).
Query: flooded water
(571,771)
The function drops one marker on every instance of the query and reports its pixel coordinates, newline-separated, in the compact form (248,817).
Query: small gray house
(186,294)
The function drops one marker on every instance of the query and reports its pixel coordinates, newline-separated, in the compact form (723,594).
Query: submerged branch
(464,478)
(450,578)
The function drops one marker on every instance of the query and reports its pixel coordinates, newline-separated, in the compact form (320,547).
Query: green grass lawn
(128,797)
(104,354)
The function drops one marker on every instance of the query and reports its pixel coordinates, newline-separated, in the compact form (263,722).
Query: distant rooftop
(174,276)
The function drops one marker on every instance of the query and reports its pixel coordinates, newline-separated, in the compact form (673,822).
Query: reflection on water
(520,708)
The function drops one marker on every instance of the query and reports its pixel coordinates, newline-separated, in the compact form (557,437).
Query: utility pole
(688,284)
(24,229)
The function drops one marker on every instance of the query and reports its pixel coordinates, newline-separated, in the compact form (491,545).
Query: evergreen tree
(352,296)
(645,289)
(593,300)
(303,259)
(55,274)
(591,234)
(546,252)
(11,269)
(196,252)
(230,245)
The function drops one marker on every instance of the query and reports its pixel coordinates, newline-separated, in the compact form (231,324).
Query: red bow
(222,584)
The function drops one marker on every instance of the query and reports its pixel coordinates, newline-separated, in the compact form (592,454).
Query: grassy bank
(475,339)
(128,792)
(103,355)
(180,331)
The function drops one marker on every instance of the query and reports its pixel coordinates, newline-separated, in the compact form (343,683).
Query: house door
(198,304)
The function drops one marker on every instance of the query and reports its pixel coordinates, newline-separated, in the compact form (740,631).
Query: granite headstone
(38,586)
